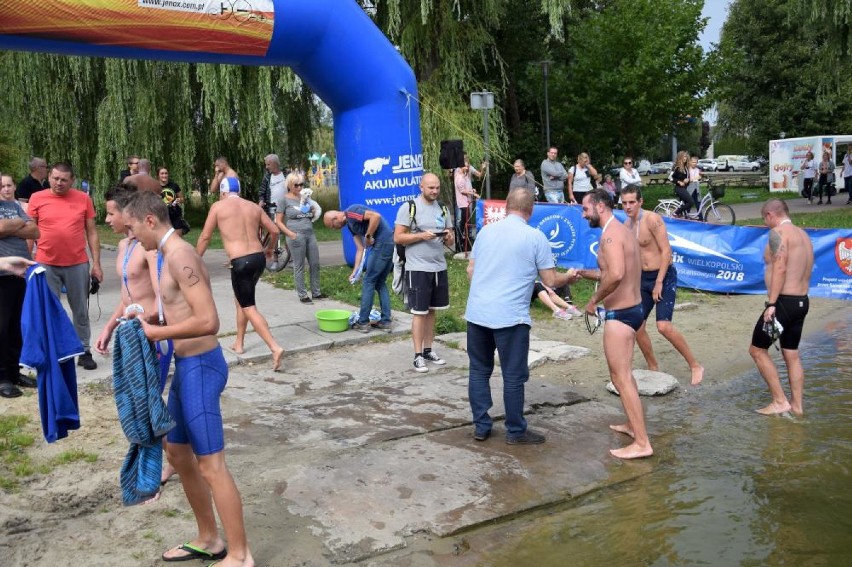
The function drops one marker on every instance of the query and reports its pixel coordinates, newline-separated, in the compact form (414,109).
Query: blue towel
(50,345)
(143,415)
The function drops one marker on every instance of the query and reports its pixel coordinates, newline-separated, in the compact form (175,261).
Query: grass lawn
(841,217)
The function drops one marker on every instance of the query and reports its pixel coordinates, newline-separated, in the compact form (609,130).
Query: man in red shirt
(66,220)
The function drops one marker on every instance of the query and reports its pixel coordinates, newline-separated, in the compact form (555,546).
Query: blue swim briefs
(194,401)
(631,316)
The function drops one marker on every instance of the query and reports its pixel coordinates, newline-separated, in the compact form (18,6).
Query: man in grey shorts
(424,227)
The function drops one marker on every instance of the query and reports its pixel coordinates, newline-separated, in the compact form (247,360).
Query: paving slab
(365,502)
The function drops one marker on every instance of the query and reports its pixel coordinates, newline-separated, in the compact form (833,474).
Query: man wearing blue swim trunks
(659,280)
(619,276)
(196,445)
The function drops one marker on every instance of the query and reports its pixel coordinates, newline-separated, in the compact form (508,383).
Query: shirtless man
(136,270)
(196,446)
(789,258)
(619,275)
(238,221)
(224,177)
(659,280)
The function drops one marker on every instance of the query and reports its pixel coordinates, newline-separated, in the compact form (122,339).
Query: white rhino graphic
(375,165)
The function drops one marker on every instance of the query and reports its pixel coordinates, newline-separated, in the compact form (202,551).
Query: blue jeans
(379,265)
(513,345)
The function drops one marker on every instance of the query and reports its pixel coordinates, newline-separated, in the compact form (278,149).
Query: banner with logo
(724,259)
(242,27)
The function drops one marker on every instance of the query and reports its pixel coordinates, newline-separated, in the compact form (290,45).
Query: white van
(736,163)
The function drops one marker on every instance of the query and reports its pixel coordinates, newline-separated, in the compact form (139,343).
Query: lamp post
(484,101)
(544,70)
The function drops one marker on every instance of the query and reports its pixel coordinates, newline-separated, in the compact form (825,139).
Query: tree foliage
(95,112)
(771,72)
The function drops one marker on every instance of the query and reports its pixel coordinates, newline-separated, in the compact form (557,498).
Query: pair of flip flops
(193,553)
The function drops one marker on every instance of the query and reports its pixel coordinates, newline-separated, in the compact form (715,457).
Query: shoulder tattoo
(191,277)
(776,243)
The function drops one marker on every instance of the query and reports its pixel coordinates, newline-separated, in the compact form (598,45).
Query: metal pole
(674,144)
(487,163)
(544,69)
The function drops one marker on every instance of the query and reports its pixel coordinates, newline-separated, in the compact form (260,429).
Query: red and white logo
(843,254)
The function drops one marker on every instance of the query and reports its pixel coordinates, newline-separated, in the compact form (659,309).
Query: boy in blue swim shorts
(196,445)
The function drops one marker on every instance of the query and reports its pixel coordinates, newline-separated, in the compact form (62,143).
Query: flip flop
(193,553)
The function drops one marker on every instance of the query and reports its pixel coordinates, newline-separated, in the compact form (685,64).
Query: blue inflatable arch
(331,44)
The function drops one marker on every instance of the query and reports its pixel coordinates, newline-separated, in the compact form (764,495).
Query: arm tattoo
(776,245)
(191,276)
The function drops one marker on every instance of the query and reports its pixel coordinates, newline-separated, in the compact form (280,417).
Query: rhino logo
(375,165)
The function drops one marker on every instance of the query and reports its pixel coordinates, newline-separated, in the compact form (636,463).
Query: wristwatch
(767,305)
(368,236)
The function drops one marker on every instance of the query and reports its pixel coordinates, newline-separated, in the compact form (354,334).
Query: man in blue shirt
(507,284)
(369,230)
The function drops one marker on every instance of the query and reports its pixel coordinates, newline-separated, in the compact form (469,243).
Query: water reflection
(730,487)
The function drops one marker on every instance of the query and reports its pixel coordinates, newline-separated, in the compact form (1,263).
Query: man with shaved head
(789,258)
(424,226)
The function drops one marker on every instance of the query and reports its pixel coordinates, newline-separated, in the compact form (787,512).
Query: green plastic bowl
(333,320)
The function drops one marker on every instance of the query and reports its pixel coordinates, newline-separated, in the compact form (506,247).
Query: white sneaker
(433,357)
(573,311)
(562,314)
(420,364)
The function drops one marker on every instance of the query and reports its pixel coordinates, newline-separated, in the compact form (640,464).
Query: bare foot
(168,472)
(230,561)
(774,408)
(625,428)
(237,348)
(632,451)
(276,358)
(797,411)
(697,375)
(152,499)
(654,368)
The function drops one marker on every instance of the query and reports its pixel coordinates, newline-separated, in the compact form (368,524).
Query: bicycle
(710,209)
(281,252)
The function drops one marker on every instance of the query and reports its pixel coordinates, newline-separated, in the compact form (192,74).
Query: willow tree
(95,112)
(452,47)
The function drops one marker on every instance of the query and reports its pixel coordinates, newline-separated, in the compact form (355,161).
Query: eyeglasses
(628,163)
(133,163)
(593,322)
(298,184)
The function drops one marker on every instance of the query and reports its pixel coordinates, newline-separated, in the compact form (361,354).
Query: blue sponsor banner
(724,259)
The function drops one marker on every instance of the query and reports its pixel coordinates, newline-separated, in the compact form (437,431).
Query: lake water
(727,486)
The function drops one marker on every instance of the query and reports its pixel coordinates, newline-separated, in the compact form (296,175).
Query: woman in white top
(628,175)
(847,174)
(808,169)
(580,178)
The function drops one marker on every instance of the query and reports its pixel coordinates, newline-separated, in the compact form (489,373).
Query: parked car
(661,167)
(643,167)
(708,165)
(736,163)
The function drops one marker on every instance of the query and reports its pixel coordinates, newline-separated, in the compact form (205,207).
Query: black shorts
(538,287)
(790,311)
(245,272)
(427,290)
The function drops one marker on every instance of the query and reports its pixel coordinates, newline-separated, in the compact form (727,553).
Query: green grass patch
(841,217)
(16,463)
(733,194)
(334,282)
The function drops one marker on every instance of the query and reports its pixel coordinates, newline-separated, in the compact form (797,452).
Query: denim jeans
(512,344)
(303,249)
(379,265)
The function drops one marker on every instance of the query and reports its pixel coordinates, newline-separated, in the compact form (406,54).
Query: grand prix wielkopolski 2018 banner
(726,259)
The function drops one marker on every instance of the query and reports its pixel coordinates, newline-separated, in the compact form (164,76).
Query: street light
(484,101)
(544,70)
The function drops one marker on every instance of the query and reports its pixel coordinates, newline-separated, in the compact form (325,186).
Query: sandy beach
(73,514)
